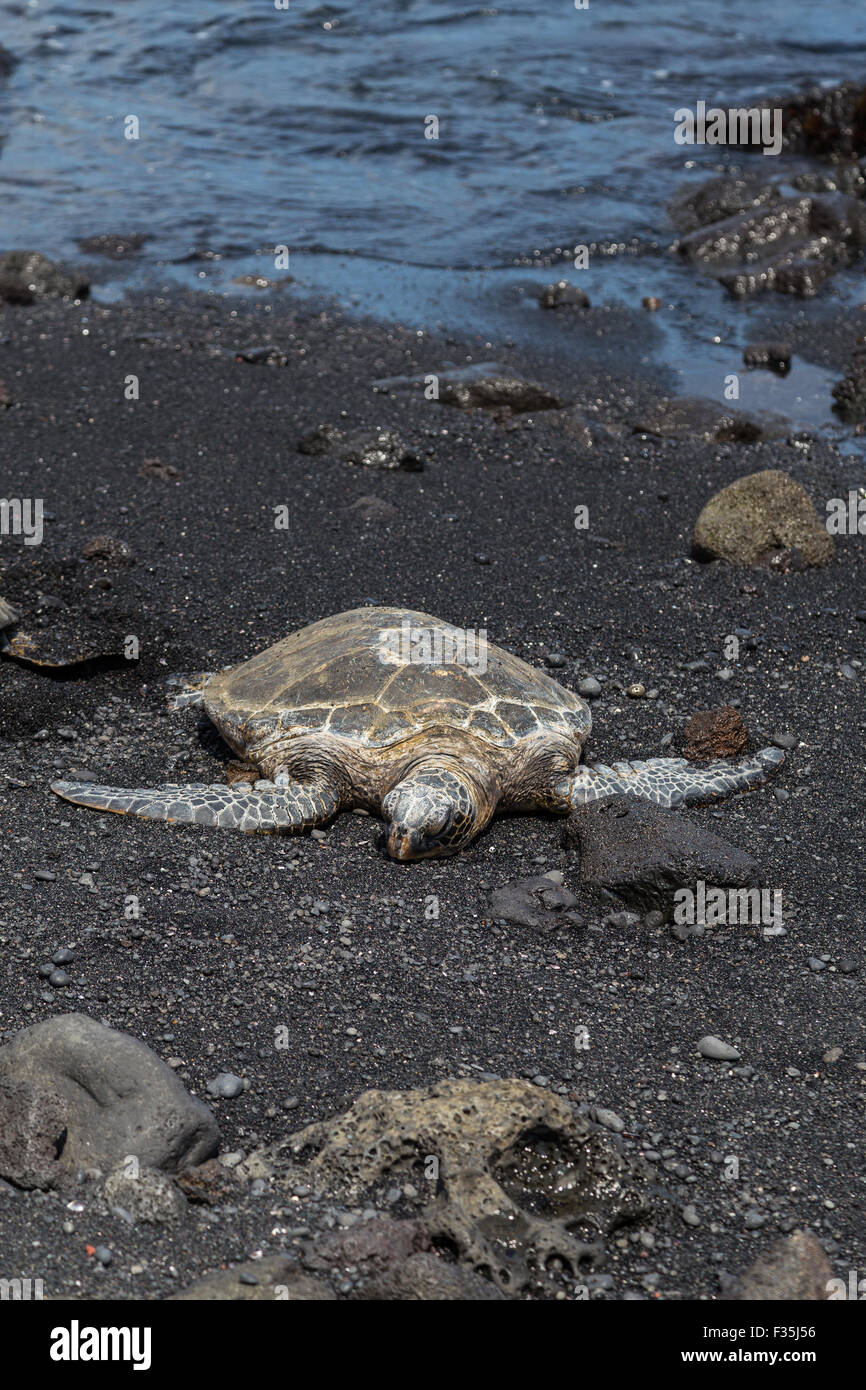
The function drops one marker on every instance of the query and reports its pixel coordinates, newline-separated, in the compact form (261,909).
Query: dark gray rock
(563,295)
(496,393)
(375,448)
(114,246)
(786,244)
(539,903)
(26,276)
(827,122)
(719,198)
(692,417)
(643,854)
(771,357)
(32,1134)
(427,1278)
(120,1098)
(263,355)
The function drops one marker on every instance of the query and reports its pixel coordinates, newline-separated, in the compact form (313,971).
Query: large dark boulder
(642,854)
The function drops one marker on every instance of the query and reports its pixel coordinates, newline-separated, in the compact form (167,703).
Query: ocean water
(305,127)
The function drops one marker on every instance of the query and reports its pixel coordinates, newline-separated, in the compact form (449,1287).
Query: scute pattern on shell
(329,678)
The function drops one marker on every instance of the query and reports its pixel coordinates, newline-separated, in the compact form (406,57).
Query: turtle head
(435,810)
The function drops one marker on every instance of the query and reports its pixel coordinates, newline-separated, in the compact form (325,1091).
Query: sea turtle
(400,714)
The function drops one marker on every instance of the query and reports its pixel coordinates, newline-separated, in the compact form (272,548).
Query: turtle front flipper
(265,807)
(672,781)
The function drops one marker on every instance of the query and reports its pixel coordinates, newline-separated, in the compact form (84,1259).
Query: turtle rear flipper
(265,807)
(672,781)
(190,690)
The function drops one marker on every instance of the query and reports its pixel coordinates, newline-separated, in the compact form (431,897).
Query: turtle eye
(438,822)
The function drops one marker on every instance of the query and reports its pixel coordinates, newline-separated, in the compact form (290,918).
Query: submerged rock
(563,295)
(718,198)
(644,854)
(825,121)
(692,417)
(769,241)
(849,394)
(771,357)
(26,276)
(755,518)
(114,246)
(267,355)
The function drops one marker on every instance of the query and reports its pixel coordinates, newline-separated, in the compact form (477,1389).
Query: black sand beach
(238,935)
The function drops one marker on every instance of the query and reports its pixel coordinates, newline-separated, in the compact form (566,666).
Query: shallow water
(305,127)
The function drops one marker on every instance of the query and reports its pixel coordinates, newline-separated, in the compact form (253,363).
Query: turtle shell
(373,676)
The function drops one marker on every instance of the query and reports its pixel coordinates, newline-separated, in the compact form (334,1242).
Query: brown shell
(332,677)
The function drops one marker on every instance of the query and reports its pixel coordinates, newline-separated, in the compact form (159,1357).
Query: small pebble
(589,688)
(719,1051)
(226,1085)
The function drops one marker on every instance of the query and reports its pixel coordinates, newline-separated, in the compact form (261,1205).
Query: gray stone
(276,1279)
(794,1268)
(147,1194)
(644,853)
(32,1134)
(121,1099)
(538,903)
(717,1050)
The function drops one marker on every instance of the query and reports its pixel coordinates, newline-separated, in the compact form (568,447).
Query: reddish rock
(373,1246)
(209,1183)
(714,733)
